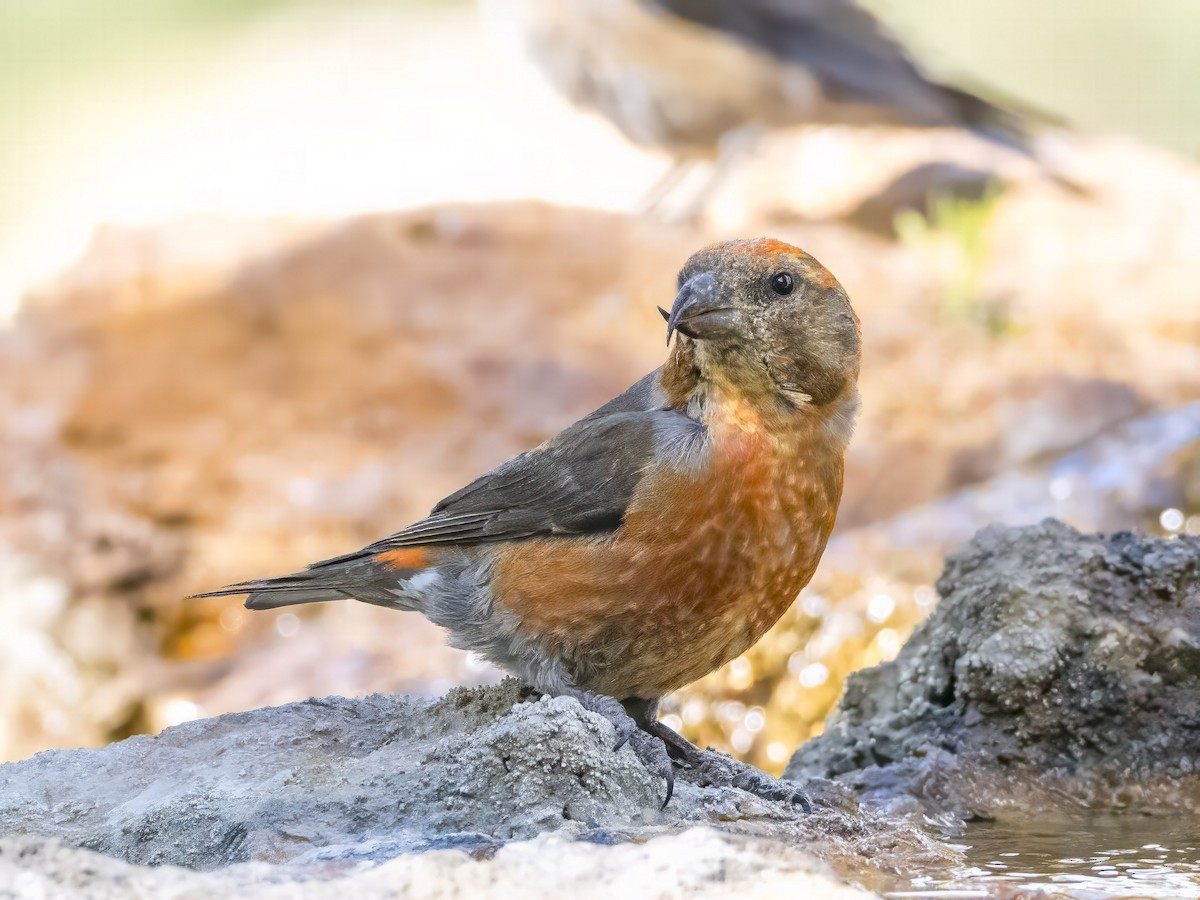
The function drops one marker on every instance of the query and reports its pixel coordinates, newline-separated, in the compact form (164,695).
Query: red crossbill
(701,79)
(658,537)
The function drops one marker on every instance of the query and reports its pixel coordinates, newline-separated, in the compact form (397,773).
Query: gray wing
(854,56)
(579,482)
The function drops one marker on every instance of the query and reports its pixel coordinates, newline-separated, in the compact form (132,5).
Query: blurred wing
(579,482)
(850,51)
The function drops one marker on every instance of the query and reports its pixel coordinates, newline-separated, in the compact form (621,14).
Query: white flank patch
(420,581)
(413,589)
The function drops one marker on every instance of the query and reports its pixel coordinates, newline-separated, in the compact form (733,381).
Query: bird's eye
(782,283)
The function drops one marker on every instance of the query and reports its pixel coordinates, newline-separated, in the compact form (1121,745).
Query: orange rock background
(216,399)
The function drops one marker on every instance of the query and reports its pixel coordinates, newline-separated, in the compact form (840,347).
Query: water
(1096,857)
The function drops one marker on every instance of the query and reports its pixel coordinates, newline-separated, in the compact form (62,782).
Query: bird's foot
(649,749)
(720,769)
(711,768)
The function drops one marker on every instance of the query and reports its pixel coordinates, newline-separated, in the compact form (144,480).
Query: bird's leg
(645,714)
(710,767)
(652,202)
(734,146)
(648,748)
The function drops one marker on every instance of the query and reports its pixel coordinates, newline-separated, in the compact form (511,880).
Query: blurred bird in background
(702,79)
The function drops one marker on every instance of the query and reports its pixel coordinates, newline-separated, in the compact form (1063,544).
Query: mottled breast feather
(716,544)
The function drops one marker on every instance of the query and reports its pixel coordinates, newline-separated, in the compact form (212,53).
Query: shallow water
(1095,857)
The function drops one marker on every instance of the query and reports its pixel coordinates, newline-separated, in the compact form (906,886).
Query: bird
(702,79)
(661,535)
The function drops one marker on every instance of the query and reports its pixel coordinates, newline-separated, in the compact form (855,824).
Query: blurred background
(277,275)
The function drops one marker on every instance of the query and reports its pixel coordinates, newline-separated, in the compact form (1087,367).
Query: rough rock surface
(697,863)
(1059,669)
(335,781)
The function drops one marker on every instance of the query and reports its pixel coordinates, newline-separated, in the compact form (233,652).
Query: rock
(1052,415)
(1058,665)
(338,781)
(918,190)
(697,863)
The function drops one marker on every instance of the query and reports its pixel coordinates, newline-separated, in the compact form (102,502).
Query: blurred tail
(1000,123)
(1016,126)
(356,576)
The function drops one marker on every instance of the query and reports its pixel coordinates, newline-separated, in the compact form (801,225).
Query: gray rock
(333,776)
(337,782)
(917,190)
(1058,666)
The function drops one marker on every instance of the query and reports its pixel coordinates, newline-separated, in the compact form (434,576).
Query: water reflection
(1094,858)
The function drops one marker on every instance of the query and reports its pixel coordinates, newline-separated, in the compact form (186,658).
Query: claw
(624,730)
(719,770)
(652,754)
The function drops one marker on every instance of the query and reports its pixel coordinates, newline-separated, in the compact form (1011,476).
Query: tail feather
(1017,126)
(1002,123)
(273,599)
(287,590)
(356,579)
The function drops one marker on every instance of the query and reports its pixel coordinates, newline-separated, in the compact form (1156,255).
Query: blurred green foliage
(47,46)
(953,236)
(57,55)
(1107,65)
(52,51)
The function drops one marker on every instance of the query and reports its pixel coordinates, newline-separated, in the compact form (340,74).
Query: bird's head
(765,319)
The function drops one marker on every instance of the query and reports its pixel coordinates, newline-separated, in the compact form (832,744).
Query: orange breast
(706,561)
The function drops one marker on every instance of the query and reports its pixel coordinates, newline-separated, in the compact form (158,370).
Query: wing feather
(579,482)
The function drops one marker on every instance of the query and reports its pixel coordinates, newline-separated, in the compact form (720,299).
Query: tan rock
(214,400)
